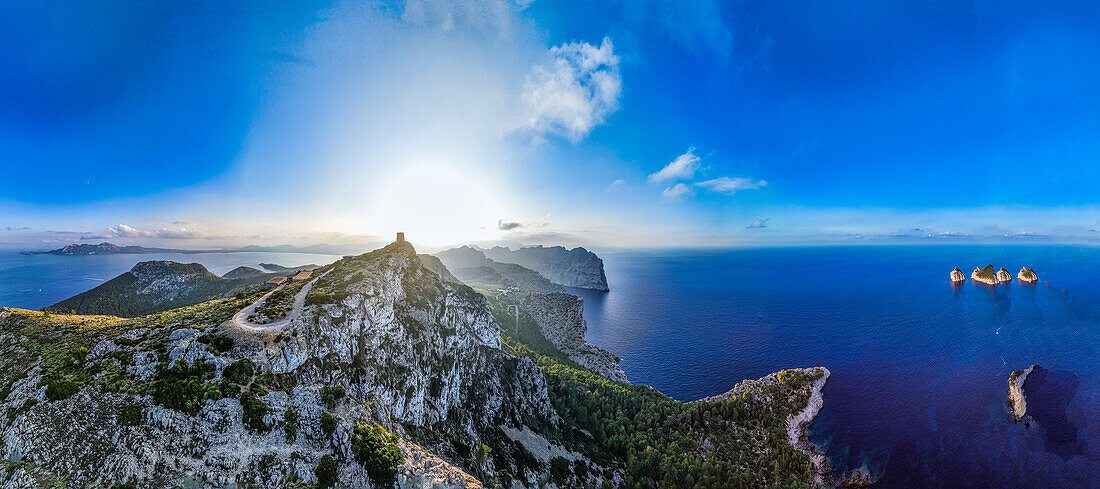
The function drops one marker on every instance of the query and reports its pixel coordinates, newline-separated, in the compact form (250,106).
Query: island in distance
(106,248)
(989,276)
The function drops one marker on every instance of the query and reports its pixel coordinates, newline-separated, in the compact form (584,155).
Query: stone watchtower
(400,237)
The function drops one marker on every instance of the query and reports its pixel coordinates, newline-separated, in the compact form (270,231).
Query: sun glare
(435,204)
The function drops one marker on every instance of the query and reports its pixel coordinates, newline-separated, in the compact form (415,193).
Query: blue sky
(643,123)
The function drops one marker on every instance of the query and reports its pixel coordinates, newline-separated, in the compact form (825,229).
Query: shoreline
(798,423)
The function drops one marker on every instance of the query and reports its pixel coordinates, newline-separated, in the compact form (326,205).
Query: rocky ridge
(1017,399)
(577,267)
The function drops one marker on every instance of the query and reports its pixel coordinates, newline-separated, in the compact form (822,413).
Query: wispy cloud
(574,93)
(499,16)
(758,223)
(677,191)
(681,168)
(730,186)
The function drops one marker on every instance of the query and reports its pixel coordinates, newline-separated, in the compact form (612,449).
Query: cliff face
(1003,276)
(1016,398)
(957,275)
(577,267)
(1027,275)
(414,353)
(560,319)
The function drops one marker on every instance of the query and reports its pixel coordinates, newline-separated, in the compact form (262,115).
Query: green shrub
(290,425)
(328,424)
(239,372)
(218,343)
(254,412)
(329,395)
(327,472)
(559,471)
(376,450)
(319,298)
(57,389)
(183,386)
(130,415)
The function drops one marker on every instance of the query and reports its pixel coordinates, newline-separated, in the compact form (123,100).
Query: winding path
(241,321)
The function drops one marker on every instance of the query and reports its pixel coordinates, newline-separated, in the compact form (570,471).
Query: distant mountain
(243,272)
(112,249)
(279,268)
(154,286)
(474,269)
(577,267)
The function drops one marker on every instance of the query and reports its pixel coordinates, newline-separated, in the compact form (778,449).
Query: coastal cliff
(560,319)
(386,374)
(1027,275)
(1016,397)
(957,276)
(1003,276)
(577,267)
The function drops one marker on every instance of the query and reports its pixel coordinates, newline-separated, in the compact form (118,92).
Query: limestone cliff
(1027,275)
(560,318)
(957,276)
(1016,398)
(472,267)
(1003,276)
(92,399)
(577,267)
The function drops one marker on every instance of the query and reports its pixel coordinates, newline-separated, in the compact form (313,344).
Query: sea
(37,281)
(919,387)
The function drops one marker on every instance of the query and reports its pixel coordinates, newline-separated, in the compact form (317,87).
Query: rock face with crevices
(577,267)
(560,317)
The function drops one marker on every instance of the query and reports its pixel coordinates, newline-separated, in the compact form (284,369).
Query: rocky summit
(387,373)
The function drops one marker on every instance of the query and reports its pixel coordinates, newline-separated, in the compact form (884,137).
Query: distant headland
(113,249)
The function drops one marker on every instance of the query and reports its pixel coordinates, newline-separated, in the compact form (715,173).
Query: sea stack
(987,275)
(1016,398)
(1027,275)
(1003,276)
(957,275)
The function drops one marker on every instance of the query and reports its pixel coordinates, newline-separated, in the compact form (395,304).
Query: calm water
(36,281)
(920,369)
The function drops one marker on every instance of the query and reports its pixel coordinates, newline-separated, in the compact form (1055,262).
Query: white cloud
(677,191)
(124,231)
(617,183)
(507,225)
(682,168)
(574,93)
(729,185)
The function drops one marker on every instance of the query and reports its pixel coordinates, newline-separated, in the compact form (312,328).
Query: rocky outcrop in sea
(1017,399)
(1027,275)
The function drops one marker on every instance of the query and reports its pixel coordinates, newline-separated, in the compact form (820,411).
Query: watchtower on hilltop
(400,237)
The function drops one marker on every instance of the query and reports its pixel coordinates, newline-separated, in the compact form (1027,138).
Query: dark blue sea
(920,369)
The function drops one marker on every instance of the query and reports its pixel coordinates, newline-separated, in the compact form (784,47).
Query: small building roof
(303,275)
(276,280)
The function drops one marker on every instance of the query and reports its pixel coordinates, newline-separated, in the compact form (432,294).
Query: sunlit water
(36,281)
(920,368)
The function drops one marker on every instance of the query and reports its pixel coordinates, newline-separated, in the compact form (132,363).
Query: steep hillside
(577,267)
(154,286)
(390,373)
